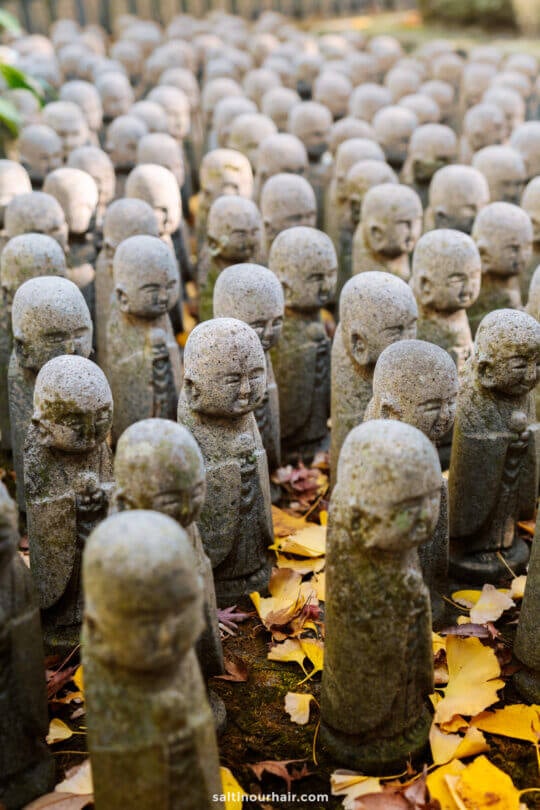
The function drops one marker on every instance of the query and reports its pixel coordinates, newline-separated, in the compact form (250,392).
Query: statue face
(80,213)
(311,287)
(511,370)
(365,344)
(151,295)
(72,134)
(395,236)
(116,102)
(229,180)
(231,389)
(504,254)
(42,158)
(35,348)
(431,411)
(450,293)
(70,429)
(240,243)
(424,168)
(184,505)
(286,216)
(268,328)
(459,215)
(486,133)
(396,526)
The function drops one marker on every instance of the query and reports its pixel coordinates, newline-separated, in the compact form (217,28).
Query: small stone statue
(123,218)
(68,121)
(504,169)
(526,139)
(253,294)
(277,103)
(150,728)
(234,235)
(367,99)
(85,96)
(431,147)
(224,382)
(49,318)
(158,466)
(26,765)
(305,262)
(332,89)
(160,148)
(176,105)
(279,154)
(394,126)
(446,274)
(36,212)
(483,125)
(417,382)
(312,122)
(530,203)
(511,104)
(222,172)
(143,358)
(503,234)
(227,109)
(67,478)
(247,132)
(375,310)
(152,114)
(24,257)
(14,181)
(122,138)
(40,152)
(526,647)
(493,475)
(456,195)
(425,108)
(287,201)
(378,669)
(116,93)
(97,164)
(390,227)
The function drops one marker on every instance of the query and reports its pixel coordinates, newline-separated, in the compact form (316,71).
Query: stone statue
(234,235)
(26,765)
(224,382)
(277,102)
(36,212)
(345,129)
(116,93)
(40,152)
(483,125)
(67,479)
(530,202)
(287,201)
(152,114)
(222,172)
(85,96)
(158,466)
(503,234)
(227,109)
(375,310)
(511,104)
(402,82)
(122,138)
(446,274)
(97,164)
(49,318)
(443,93)
(527,680)
(332,89)
(253,294)
(68,121)
(176,105)
(247,132)
(367,99)
(14,181)
(312,122)
(279,154)
(123,218)
(143,358)
(161,148)
(425,108)
(526,139)
(390,227)
(493,475)
(305,262)
(417,382)
(24,257)
(378,669)
(394,126)
(143,615)
(456,195)
(504,169)
(431,147)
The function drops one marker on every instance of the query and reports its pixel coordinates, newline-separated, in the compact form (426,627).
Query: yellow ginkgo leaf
(438,786)
(288,596)
(289,650)
(78,679)
(467,598)
(457,723)
(323,517)
(297,705)
(473,679)
(353,785)
(232,790)
(306,565)
(78,780)
(319,583)
(308,542)
(58,731)
(439,643)
(491,605)
(285,524)
(518,721)
(445,747)
(482,784)
(517,587)
(314,650)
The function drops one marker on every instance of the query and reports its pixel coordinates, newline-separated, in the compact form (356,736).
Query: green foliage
(9,23)
(10,119)
(16,79)
(486,13)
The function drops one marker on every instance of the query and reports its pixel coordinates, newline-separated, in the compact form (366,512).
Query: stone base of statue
(22,788)
(230,591)
(375,754)
(487,566)
(527,683)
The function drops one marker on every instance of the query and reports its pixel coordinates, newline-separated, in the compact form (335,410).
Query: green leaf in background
(15,78)
(9,117)
(9,23)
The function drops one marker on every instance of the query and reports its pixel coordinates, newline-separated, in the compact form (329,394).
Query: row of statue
(357,232)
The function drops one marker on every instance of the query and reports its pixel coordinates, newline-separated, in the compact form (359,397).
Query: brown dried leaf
(279,768)
(236,670)
(57,680)
(60,801)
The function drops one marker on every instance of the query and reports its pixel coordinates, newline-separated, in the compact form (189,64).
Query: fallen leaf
(482,785)
(438,786)
(291,599)
(319,583)
(236,670)
(309,541)
(231,787)
(279,768)
(78,679)
(467,598)
(286,524)
(303,565)
(57,680)
(58,731)
(491,605)
(314,650)
(289,651)
(353,785)
(61,801)
(229,619)
(457,723)
(445,747)
(517,587)
(473,679)
(297,705)
(383,801)
(528,526)
(78,780)
(518,721)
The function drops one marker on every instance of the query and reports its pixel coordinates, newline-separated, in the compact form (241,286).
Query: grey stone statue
(143,358)
(26,766)
(375,310)
(493,468)
(431,147)
(158,465)
(305,262)
(504,169)
(122,138)
(37,212)
(150,728)
(224,382)
(530,202)
(222,172)
(394,126)
(456,194)
(14,181)
(49,318)
(378,668)
(446,274)
(68,480)
(40,152)
(253,294)
(287,201)
(97,164)
(417,382)
(526,647)
(312,122)
(279,153)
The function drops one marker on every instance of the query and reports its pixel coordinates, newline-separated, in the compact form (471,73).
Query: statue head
(276,103)
(416,382)
(333,90)
(475,80)
(36,212)
(252,294)
(68,121)
(129,54)
(367,99)
(311,122)
(124,218)
(116,94)
(484,125)
(258,81)
(305,262)
(247,132)
(225,172)
(146,278)
(504,169)
(152,114)
(391,219)
(14,180)
(177,109)
(234,229)
(96,163)
(40,150)
(85,96)
(441,92)
(530,203)
(393,126)
(9,535)
(506,357)
(158,187)
(362,176)
(28,256)
(503,234)
(526,139)
(388,486)
(287,201)
(375,309)
(77,193)
(227,110)
(346,129)
(350,152)
(158,465)
(402,82)
(431,147)
(123,136)
(162,149)
(456,194)
(280,153)
(224,369)
(446,271)
(212,92)
(143,598)
(510,103)
(185,80)
(425,108)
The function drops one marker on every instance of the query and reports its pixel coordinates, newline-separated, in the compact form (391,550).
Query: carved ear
(485,373)
(390,409)
(192,392)
(359,348)
(122,298)
(441,219)
(425,286)
(376,236)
